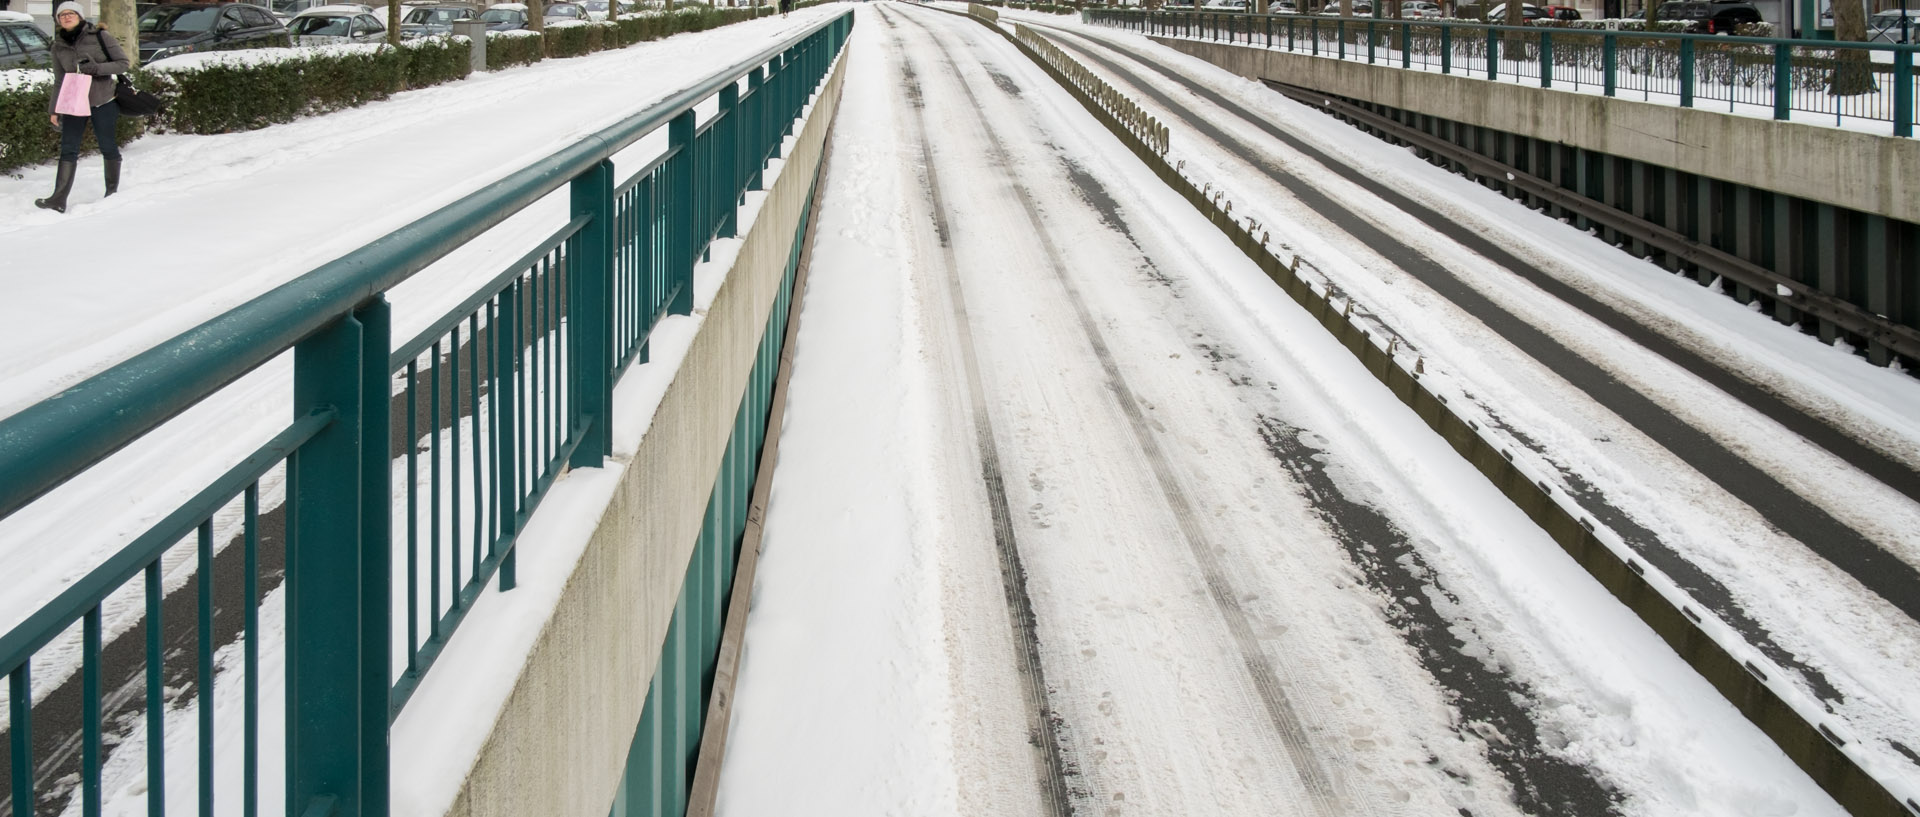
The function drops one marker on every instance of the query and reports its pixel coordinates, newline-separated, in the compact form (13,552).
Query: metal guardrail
(518,385)
(1110,99)
(1752,75)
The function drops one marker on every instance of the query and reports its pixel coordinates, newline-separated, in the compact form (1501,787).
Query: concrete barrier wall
(559,744)
(1859,171)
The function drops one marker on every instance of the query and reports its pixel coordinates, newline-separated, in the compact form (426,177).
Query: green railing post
(680,198)
(1340,37)
(1686,72)
(376,554)
(1370,35)
(1903,93)
(590,310)
(1446,48)
(1266,25)
(1493,53)
(1406,45)
(726,132)
(1782,82)
(324,528)
(1546,58)
(755,122)
(1610,63)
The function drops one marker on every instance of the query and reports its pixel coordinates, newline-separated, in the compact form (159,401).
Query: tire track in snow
(1323,791)
(1701,584)
(1047,729)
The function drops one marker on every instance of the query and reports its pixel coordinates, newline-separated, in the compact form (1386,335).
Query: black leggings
(74,128)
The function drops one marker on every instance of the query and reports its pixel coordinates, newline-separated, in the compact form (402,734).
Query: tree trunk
(537,15)
(1852,67)
(1514,17)
(393,23)
(1346,8)
(119,19)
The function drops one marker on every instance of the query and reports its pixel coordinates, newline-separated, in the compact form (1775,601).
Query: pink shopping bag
(73,95)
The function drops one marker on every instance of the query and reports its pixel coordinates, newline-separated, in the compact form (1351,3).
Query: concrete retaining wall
(1858,171)
(559,745)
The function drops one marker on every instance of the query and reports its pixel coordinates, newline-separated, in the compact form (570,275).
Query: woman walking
(80,47)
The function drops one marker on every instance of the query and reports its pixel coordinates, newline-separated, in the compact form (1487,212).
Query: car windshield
(177,18)
(595,5)
(441,16)
(563,11)
(500,16)
(320,26)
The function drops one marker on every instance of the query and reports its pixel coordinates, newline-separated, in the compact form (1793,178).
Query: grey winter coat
(85,56)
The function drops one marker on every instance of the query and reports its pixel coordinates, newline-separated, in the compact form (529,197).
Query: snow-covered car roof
(15,17)
(509,6)
(336,10)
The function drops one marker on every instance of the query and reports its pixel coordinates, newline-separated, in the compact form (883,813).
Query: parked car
(1419,10)
(557,12)
(1359,10)
(1709,17)
(427,21)
(604,9)
(1885,26)
(1528,11)
(1562,13)
(172,29)
(21,42)
(505,17)
(332,25)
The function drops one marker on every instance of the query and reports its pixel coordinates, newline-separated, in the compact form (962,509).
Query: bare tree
(1852,67)
(1346,8)
(119,19)
(1514,13)
(537,15)
(393,23)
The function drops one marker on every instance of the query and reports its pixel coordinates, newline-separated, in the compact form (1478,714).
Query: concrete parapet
(559,743)
(1859,171)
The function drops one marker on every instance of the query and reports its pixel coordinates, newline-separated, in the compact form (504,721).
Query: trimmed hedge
(247,90)
(506,49)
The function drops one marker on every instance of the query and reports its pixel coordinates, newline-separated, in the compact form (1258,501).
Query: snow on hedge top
(25,79)
(518,32)
(190,63)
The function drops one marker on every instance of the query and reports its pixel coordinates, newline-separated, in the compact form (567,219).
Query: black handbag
(132,101)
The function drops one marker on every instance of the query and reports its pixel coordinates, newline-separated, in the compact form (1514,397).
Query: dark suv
(1709,17)
(21,42)
(172,29)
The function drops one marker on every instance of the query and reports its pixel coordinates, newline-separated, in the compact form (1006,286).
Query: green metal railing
(490,403)
(1757,76)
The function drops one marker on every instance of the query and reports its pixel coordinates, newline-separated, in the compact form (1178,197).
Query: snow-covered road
(1710,438)
(1077,513)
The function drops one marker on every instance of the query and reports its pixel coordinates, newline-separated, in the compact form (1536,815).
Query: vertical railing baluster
(1446,48)
(433,495)
(507,354)
(250,715)
(496,509)
(413,517)
(479,517)
(1546,58)
(156,695)
(1610,63)
(20,730)
(203,667)
(453,469)
(90,712)
(680,204)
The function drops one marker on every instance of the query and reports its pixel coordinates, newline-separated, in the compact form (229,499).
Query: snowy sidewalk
(202,223)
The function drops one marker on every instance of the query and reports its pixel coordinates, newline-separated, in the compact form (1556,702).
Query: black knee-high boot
(62,183)
(113,176)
